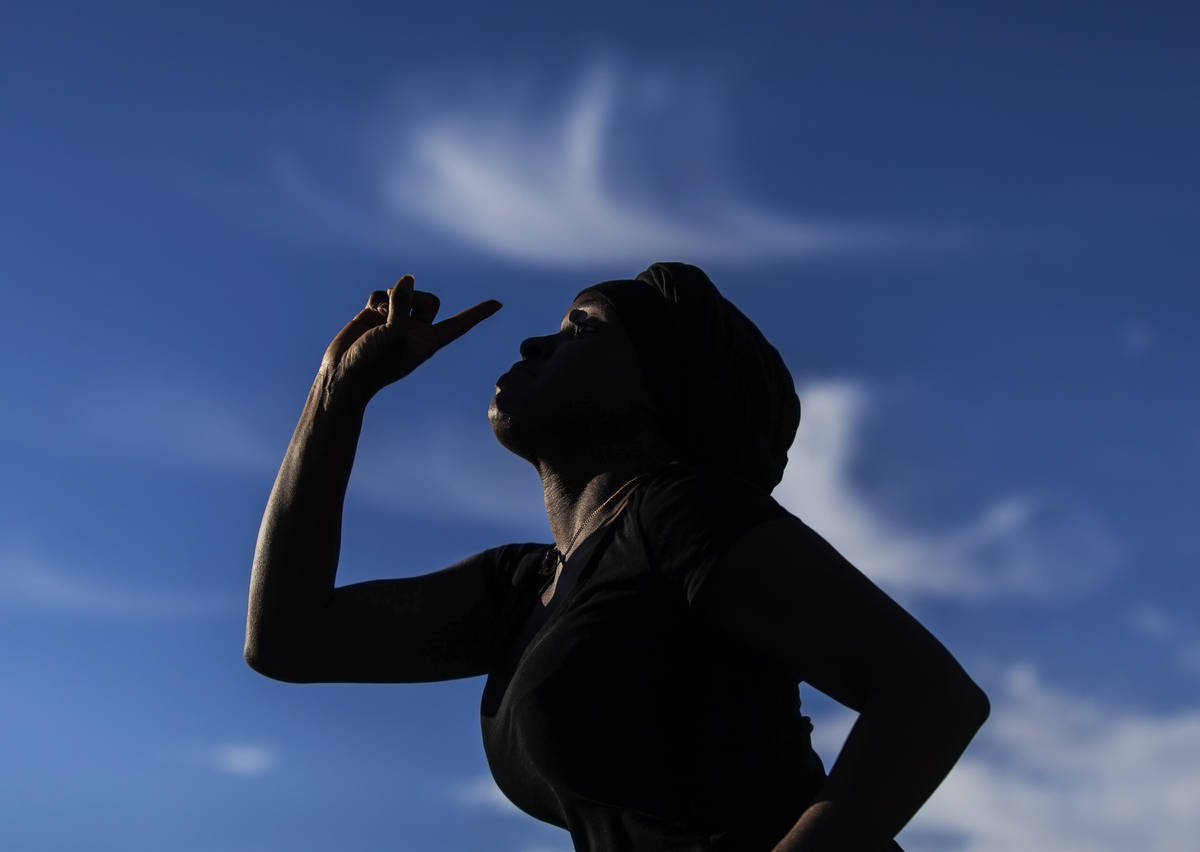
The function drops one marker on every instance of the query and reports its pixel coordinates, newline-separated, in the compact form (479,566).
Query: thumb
(400,301)
(365,320)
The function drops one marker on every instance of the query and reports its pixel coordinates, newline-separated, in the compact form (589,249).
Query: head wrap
(725,398)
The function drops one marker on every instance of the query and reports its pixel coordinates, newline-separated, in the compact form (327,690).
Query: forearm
(296,557)
(898,752)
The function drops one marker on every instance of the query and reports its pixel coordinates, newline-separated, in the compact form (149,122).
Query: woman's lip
(517,369)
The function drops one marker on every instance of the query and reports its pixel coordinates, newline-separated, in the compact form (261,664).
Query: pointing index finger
(456,326)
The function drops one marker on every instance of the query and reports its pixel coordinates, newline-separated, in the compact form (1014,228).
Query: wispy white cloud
(447,469)
(1018,545)
(481,792)
(1188,656)
(623,169)
(1154,622)
(1049,770)
(481,795)
(175,422)
(1055,771)
(28,580)
(1181,637)
(442,469)
(1136,338)
(242,759)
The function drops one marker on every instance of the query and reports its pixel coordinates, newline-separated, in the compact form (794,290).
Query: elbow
(952,697)
(258,661)
(282,644)
(255,659)
(273,664)
(964,700)
(965,706)
(976,705)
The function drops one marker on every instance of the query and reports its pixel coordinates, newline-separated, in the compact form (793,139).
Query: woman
(642,671)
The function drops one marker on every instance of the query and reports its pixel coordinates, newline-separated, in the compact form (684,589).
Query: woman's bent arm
(296,558)
(904,743)
(783,591)
(298,626)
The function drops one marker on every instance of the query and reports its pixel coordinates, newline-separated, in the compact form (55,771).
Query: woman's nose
(532,347)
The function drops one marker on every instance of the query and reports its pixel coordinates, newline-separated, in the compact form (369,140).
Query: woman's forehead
(592,304)
(594,301)
(589,301)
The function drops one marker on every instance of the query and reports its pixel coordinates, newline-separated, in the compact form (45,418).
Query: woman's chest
(619,645)
(598,700)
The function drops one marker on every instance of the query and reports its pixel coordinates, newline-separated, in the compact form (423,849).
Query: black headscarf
(724,396)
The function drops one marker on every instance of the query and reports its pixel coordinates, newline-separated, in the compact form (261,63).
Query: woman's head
(701,377)
(577,391)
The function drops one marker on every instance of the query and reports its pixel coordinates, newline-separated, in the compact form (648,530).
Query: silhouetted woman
(643,670)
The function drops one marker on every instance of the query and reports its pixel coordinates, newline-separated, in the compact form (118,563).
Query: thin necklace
(562,560)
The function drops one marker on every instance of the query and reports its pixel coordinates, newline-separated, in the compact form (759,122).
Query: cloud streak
(1049,770)
(1179,636)
(624,167)
(482,793)
(442,469)
(239,759)
(1053,771)
(165,420)
(31,581)
(1018,545)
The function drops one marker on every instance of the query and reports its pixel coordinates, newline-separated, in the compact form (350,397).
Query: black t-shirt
(616,713)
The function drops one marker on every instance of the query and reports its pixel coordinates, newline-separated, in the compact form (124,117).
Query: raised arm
(784,591)
(300,627)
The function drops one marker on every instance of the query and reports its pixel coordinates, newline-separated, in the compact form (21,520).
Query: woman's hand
(392,336)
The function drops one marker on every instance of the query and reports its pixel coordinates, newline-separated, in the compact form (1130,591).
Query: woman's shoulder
(688,517)
(676,474)
(702,502)
(524,563)
(682,483)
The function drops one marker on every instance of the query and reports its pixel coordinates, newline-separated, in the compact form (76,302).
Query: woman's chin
(508,434)
(501,422)
(496,410)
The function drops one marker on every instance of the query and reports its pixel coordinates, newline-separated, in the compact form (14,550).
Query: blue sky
(970,232)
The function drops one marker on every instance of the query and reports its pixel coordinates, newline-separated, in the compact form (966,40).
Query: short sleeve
(516,574)
(689,518)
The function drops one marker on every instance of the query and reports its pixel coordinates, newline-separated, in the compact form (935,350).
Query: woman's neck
(579,500)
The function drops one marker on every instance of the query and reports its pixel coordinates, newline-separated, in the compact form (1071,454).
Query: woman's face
(583,383)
